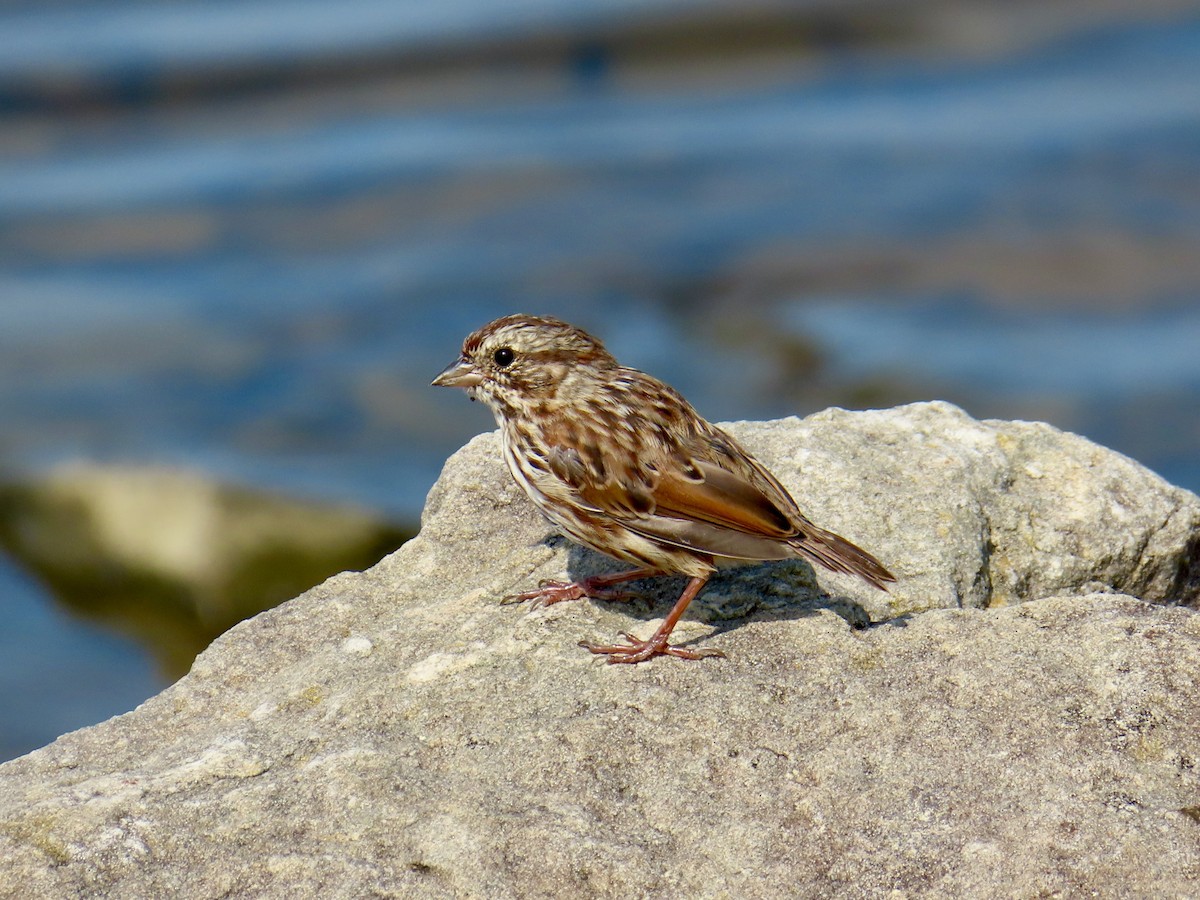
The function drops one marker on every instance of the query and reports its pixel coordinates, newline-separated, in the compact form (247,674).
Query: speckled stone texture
(1018,718)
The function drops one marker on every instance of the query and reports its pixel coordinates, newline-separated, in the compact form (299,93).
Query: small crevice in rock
(1185,587)
(983,575)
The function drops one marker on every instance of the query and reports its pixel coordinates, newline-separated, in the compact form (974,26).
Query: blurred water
(58,674)
(242,237)
(1072,355)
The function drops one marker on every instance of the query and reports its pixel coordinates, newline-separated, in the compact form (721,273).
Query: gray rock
(400,733)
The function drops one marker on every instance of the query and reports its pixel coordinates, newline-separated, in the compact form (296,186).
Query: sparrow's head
(521,360)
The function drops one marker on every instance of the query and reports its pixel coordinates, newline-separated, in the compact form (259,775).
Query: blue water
(1078,356)
(57,674)
(95,38)
(224,246)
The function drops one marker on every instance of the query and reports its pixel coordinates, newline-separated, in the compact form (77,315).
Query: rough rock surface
(399,733)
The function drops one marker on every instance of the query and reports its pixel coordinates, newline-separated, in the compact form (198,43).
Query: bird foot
(637,650)
(551,592)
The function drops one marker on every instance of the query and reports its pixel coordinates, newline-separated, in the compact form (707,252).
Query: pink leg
(637,651)
(549,592)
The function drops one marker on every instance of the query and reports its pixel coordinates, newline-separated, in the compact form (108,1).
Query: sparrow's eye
(503,357)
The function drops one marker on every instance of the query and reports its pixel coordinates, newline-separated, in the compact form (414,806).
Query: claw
(549,592)
(598,588)
(637,650)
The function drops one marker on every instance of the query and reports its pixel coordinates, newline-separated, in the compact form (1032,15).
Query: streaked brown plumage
(621,463)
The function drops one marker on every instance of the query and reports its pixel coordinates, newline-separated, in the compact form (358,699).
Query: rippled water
(243,237)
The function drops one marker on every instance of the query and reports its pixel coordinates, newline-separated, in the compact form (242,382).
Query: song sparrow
(621,463)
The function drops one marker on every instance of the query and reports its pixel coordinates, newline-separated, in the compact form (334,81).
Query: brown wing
(737,510)
(685,482)
(672,476)
(745,515)
(723,498)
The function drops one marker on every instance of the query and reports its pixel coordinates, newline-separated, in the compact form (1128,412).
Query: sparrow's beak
(458,374)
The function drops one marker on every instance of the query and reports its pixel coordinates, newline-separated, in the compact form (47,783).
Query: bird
(621,463)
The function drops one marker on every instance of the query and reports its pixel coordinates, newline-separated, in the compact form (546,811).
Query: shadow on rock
(781,589)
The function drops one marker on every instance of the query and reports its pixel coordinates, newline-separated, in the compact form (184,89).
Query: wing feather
(722,498)
(690,486)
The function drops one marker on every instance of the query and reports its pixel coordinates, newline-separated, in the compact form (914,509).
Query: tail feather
(837,554)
